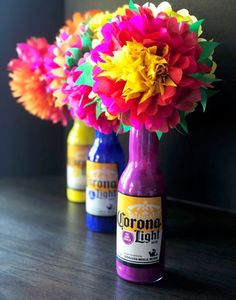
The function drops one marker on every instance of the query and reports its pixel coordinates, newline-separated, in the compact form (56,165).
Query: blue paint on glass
(106,149)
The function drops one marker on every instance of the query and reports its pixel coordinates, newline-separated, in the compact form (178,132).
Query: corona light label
(101,191)
(139,229)
(76,166)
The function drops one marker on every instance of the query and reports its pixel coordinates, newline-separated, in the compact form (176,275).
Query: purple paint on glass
(143,178)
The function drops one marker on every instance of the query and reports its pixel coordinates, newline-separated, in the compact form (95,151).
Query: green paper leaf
(207,49)
(203,99)
(119,129)
(76,53)
(86,41)
(86,76)
(183,122)
(207,62)
(204,78)
(71,62)
(132,6)
(159,134)
(92,102)
(195,26)
(179,131)
(123,128)
(98,111)
(99,108)
(126,128)
(205,94)
(78,69)
(211,93)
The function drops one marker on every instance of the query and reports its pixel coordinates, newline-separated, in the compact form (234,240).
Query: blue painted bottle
(105,165)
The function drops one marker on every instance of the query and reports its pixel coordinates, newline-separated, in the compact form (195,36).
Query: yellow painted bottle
(79,141)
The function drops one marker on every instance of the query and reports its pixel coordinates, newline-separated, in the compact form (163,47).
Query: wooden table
(46,252)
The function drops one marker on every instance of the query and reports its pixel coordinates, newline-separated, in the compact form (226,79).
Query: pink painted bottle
(141,212)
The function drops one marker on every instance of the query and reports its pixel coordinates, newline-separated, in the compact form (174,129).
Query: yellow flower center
(97,21)
(145,70)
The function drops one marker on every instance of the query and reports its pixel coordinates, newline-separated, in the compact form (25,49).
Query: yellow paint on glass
(79,141)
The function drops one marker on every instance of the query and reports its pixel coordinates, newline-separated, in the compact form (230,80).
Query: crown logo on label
(144,211)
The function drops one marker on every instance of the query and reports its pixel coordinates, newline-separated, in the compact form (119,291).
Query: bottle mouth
(104,137)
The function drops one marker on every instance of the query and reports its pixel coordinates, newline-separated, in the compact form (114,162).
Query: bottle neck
(143,147)
(106,138)
(78,124)
(80,134)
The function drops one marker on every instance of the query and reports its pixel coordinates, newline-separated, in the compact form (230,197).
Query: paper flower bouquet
(151,67)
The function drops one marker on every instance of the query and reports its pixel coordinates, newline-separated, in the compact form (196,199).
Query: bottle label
(76,166)
(101,190)
(139,229)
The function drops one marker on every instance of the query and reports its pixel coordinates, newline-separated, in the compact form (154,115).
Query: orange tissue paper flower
(29,83)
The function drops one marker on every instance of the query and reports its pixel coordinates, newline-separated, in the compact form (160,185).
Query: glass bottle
(105,164)
(141,212)
(79,141)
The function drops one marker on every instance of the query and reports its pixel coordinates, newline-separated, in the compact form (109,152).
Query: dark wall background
(28,146)
(201,167)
